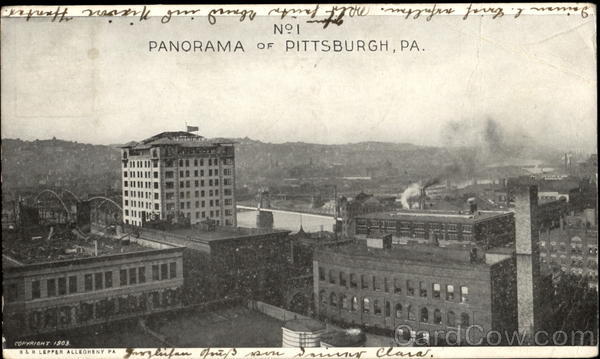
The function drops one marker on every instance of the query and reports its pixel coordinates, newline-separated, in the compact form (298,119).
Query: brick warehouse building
(174,174)
(55,284)
(487,229)
(425,287)
(229,263)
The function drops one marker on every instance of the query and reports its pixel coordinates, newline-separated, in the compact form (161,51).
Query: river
(288,221)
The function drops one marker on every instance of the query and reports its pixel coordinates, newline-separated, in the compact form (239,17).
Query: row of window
(186,163)
(406,225)
(352,304)
(398,286)
(102,280)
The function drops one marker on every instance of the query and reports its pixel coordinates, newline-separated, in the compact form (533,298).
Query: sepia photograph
(299,181)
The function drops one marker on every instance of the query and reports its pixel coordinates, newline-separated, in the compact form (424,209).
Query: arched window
(323,297)
(333,300)
(464,320)
(451,319)
(398,310)
(366,305)
(388,309)
(411,313)
(424,315)
(354,304)
(344,301)
(437,317)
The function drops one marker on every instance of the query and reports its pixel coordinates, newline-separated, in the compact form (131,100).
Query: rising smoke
(473,145)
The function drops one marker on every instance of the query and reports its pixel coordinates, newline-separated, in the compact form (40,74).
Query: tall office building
(174,175)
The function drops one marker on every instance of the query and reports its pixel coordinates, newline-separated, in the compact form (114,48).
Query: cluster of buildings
(430,270)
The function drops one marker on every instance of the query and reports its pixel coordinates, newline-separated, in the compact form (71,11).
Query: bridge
(300,212)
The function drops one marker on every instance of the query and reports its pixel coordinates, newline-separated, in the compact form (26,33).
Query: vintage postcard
(299,181)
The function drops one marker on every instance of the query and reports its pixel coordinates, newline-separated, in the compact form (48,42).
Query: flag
(192,129)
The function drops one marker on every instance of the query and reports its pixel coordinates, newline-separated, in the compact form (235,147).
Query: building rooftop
(413,253)
(65,245)
(180,138)
(201,239)
(433,215)
(304,325)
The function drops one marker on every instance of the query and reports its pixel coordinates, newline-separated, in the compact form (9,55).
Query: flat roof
(223,233)
(64,245)
(432,215)
(414,254)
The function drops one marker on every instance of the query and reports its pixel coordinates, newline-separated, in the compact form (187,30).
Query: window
(123,277)
(377,285)
(451,320)
(424,315)
(376,307)
(321,273)
(142,274)
(333,300)
(423,289)
(172,269)
(164,271)
(411,313)
(397,286)
(343,279)
(51,287)
(388,309)
(398,310)
(354,304)
(364,284)
(62,286)
(344,302)
(322,297)
(449,292)
(464,320)
(437,317)
(35,289)
(72,284)
(436,290)
(132,276)
(410,289)
(108,279)
(88,282)
(386,287)
(331,276)
(353,282)
(98,281)
(366,305)
(464,294)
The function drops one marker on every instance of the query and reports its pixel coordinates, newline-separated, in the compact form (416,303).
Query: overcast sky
(94,81)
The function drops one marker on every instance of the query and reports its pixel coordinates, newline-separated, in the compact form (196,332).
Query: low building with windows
(70,281)
(424,287)
(487,229)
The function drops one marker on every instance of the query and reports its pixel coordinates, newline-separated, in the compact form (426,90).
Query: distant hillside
(88,168)
(83,168)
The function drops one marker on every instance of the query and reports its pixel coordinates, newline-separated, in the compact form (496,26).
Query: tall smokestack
(472,205)
(527,257)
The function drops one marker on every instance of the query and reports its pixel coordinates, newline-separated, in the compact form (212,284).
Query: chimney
(527,257)
(472,205)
